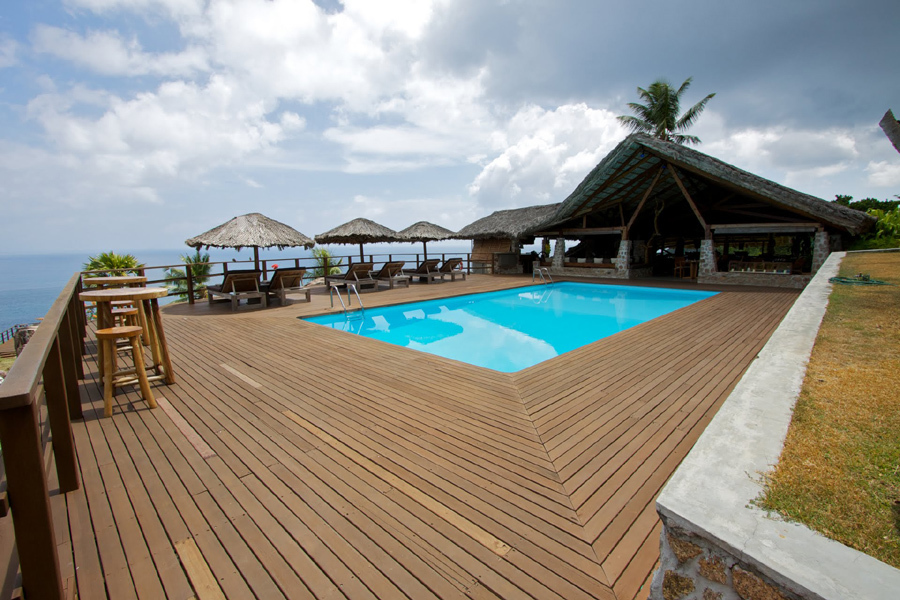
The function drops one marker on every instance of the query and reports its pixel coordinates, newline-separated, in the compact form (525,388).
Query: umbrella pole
(256,257)
(425,250)
(361,257)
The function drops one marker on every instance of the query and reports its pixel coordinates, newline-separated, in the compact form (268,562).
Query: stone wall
(797,282)
(623,260)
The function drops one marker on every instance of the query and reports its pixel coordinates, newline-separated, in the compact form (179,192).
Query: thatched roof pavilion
(252,230)
(714,193)
(515,224)
(649,200)
(358,231)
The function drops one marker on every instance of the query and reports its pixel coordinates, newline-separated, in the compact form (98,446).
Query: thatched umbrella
(358,231)
(251,231)
(424,232)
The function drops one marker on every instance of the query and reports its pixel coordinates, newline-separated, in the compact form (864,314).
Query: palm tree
(200,272)
(325,262)
(112,264)
(659,116)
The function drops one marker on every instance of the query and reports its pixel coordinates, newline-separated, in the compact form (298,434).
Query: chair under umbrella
(424,232)
(358,231)
(251,231)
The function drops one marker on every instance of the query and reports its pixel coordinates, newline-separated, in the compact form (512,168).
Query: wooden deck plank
(305,463)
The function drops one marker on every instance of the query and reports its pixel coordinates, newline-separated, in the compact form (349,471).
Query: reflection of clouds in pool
(510,330)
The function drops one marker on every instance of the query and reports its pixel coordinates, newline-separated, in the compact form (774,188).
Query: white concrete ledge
(710,494)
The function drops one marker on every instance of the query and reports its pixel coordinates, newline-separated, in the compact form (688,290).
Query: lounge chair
(285,282)
(237,286)
(392,273)
(359,274)
(426,270)
(453,268)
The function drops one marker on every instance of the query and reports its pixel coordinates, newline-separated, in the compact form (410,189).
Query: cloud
(180,130)
(884,173)
(105,52)
(544,154)
(8,51)
(172,8)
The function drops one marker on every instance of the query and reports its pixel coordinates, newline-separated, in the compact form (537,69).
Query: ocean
(29,284)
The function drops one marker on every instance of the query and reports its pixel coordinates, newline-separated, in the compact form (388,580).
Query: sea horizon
(30,283)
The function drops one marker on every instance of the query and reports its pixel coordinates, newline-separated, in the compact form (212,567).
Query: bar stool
(107,338)
(125,316)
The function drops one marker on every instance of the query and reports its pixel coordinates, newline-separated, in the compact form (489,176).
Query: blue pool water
(509,330)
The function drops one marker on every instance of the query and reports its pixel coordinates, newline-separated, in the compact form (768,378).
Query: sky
(135,124)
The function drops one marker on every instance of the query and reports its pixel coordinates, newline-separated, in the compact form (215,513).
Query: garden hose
(861,279)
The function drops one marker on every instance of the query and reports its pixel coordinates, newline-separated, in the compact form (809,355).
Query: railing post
(58,414)
(30,502)
(75,319)
(71,361)
(189,275)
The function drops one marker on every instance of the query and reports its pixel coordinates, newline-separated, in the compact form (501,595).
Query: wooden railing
(308,263)
(44,376)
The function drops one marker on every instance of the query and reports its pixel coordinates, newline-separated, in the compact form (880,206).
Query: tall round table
(116,281)
(146,301)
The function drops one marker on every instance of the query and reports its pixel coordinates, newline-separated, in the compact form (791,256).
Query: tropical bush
(110,264)
(200,271)
(325,263)
(886,234)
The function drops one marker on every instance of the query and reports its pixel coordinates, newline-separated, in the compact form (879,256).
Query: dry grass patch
(839,473)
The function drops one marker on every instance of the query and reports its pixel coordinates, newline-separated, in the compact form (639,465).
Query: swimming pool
(509,330)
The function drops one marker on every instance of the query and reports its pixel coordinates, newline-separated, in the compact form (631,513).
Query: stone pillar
(639,251)
(559,253)
(707,258)
(623,261)
(821,250)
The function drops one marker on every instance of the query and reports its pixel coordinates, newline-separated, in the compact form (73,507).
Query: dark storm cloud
(804,64)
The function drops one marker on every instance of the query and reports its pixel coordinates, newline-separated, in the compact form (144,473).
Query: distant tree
(111,264)
(867,204)
(200,271)
(659,116)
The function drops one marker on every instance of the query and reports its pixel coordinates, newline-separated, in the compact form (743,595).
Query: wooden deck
(291,460)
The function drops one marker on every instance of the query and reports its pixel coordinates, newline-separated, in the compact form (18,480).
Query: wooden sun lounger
(286,282)
(392,274)
(453,268)
(426,270)
(359,274)
(237,286)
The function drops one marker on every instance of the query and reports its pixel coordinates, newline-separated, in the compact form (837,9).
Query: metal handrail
(350,286)
(540,271)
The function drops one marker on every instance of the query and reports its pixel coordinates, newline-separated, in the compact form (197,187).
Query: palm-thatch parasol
(252,231)
(424,232)
(358,231)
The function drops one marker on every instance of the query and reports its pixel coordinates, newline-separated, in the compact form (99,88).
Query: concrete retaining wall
(716,544)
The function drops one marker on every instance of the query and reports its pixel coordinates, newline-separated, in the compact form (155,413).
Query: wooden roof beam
(690,200)
(641,204)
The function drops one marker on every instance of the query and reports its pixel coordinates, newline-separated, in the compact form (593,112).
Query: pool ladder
(345,307)
(540,272)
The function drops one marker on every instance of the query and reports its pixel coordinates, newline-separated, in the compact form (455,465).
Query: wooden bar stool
(108,339)
(125,316)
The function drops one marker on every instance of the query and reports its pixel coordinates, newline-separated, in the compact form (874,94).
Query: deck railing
(219,268)
(37,400)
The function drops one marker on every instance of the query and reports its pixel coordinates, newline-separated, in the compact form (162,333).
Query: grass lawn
(6,363)
(839,473)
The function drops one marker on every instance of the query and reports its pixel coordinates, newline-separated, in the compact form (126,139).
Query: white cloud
(544,154)
(180,130)
(884,173)
(8,50)
(105,52)
(174,8)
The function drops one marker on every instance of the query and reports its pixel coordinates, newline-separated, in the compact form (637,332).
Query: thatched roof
(510,224)
(622,178)
(423,231)
(891,128)
(252,230)
(357,231)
